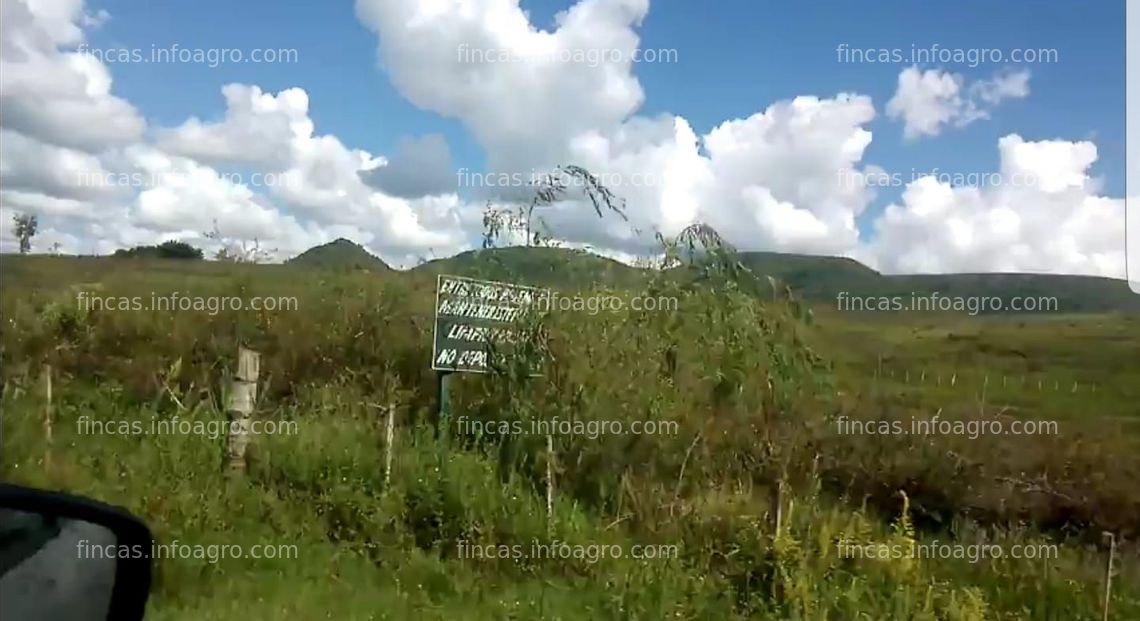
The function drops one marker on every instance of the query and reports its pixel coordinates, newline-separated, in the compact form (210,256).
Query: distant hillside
(537,266)
(816,278)
(813,277)
(339,254)
(823,278)
(1073,293)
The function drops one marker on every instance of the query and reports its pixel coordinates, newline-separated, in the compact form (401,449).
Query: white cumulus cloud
(791,176)
(929,100)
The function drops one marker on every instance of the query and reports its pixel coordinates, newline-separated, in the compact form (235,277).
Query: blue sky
(336,64)
(734,60)
(368,87)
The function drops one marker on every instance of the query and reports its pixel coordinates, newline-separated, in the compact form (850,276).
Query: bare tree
(238,250)
(548,190)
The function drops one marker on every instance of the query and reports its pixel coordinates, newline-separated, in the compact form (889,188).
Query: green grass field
(756,393)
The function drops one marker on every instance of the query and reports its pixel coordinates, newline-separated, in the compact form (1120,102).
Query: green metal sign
(474,318)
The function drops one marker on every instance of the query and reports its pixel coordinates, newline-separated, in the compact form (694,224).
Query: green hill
(537,266)
(339,254)
(1073,293)
(823,278)
(814,277)
(817,278)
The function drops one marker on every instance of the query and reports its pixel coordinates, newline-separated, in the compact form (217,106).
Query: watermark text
(561,550)
(590,57)
(972,304)
(176,550)
(175,301)
(936,425)
(211,56)
(592,429)
(936,54)
(934,550)
(213,429)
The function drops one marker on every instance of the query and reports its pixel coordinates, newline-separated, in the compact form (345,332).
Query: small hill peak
(341,253)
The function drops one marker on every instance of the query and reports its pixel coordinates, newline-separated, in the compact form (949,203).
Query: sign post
(471,317)
(443,398)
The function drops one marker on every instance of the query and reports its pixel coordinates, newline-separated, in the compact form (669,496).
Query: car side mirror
(67,558)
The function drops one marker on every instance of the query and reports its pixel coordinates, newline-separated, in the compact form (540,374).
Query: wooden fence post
(243,394)
(1108,572)
(47,416)
(550,484)
(776,514)
(388,450)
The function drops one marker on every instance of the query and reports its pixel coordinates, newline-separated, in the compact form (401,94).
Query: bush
(165,250)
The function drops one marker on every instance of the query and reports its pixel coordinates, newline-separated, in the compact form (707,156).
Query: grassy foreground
(754,391)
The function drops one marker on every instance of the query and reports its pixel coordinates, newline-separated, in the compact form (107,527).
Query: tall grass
(744,377)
